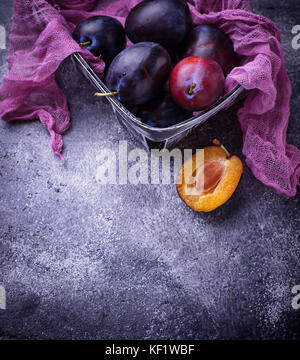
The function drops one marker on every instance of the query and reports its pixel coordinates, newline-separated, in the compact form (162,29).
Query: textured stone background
(84,261)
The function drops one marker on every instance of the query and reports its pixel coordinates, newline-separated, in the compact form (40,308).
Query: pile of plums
(172,69)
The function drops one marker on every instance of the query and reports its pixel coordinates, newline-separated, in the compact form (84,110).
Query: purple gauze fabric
(41,39)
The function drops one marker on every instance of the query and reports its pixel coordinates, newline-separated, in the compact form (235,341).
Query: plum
(138,73)
(101,35)
(208,184)
(162,112)
(166,22)
(196,83)
(210,42)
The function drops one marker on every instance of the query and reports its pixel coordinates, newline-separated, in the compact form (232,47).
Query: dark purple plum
(165,22)
(162,112)
(138,73)
(101,35)
(210,42)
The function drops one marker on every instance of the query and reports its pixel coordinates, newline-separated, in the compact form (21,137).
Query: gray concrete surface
(80,260)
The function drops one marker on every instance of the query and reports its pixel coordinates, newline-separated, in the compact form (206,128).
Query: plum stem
(218,143)
(97,94)
(82,44)
(193,85)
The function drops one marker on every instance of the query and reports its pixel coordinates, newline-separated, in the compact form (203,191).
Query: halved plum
(207,182)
